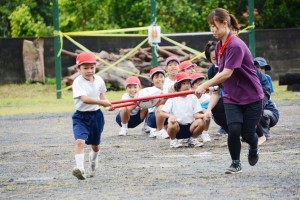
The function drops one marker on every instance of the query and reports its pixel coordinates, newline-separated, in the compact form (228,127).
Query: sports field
(37,157)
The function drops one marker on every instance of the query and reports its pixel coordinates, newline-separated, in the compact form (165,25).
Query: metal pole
(153,22)
(251,30)
(57,43)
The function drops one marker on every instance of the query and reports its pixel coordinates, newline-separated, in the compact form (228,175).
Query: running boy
(131,116)
(196,80)
(185,120)
(88,120)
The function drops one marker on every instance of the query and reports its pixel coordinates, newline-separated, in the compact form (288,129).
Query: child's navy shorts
(133,122)
(184,132)
(152,120)
(88,126)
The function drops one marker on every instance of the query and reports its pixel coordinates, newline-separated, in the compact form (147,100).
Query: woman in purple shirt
(243,93)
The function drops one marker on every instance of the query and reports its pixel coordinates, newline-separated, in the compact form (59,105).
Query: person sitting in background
(196,80)
(188,67)
(155,120)
(183,113)
(218,111)
(172,67)
(262,65)
(269,119)
(131,116)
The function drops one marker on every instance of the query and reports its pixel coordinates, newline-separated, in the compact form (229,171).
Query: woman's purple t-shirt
(243,87)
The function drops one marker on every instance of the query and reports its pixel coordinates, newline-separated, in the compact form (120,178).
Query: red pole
(165,96)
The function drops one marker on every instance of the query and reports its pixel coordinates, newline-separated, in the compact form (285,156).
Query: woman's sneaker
(193,142)
(79,173)
(234,168)
(253,156)
(175,144)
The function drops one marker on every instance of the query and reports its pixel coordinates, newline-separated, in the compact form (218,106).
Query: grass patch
(38,98)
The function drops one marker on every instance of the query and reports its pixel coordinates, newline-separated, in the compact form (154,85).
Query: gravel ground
(37,158)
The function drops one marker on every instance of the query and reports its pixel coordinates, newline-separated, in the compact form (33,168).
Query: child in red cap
(88,121)
(196,80)
(155,120)
(183,113)
(188,67)
(131,116)
(172,67)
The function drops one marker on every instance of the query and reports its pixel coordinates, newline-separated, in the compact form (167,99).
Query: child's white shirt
(204,98)
(153,109)
(167,84)
(183,108)
(134,111)
(83,87)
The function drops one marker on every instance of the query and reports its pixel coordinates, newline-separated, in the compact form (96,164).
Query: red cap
(172,58)
(132,80)
(156,70)
(181,76)
(186,64)
(196,76)
(85,57)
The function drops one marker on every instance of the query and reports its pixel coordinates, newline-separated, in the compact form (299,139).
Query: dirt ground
(37,157)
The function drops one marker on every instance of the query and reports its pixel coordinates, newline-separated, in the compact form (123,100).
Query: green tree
(172,15)
(23,24)
(40,10)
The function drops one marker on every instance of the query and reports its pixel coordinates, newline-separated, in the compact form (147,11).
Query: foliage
(172,15)
(23,24)
(40,12)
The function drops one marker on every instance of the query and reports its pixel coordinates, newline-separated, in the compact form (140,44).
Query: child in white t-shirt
(88,120)
(183,113)
(131,116)
(172,67)
(196,80)
(155,120)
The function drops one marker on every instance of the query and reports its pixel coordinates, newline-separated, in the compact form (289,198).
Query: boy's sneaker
(123,132)
(253,156)
(183,141)
(146,129)
(234,168)
(152,133)
(162,134)
(205,137)
(193,142)
(79,173)
(93,164)
(175,144)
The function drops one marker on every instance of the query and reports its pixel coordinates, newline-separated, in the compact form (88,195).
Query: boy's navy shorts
(152,120)
(184,132)
(133,122)
(88,126)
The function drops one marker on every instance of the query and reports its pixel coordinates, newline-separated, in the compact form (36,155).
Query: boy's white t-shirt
(82,87)
(134,111)
(183,108)
(168,83)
